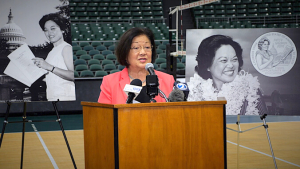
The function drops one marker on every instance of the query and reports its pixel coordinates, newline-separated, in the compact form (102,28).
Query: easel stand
(263,118)
(25,120)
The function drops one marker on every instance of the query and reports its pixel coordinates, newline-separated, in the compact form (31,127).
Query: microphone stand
(152,100)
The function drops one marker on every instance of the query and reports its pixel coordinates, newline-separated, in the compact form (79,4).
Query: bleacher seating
(99,57)
(93,61)
(96,67)
(86,73)
(93,52)
(121,67)
(97,26)
(100,73)
(160,60)
(113,31)
(105,62)
(79,62)
(76,74)
(81,68)
(80,52)
(112,10)
(114,70)
(111,57)
(85,57)
(258,13)
(96,59)
(109,67)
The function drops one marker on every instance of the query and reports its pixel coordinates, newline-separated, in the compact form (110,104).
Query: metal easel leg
(23,133)
(63,131)
(266,127)
(5,121)
(238,140)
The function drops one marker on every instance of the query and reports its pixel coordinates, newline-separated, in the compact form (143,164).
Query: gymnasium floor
(45,146)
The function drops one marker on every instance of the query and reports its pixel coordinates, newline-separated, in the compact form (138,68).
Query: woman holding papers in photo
(136,48)
(59,62)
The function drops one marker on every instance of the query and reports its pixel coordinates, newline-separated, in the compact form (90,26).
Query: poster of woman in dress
(254,69)
(36,51)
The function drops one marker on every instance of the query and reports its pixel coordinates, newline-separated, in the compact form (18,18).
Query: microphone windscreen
(133,89)
(183,87)
(150,68)
(136,82)
(148,65)
(176,96)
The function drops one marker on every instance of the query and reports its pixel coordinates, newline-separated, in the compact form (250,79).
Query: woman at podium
(135,49)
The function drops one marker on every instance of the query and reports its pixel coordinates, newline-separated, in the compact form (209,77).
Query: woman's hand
(68,59)
(41,63)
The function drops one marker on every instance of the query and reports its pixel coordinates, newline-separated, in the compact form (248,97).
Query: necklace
(243,88)
(133,78)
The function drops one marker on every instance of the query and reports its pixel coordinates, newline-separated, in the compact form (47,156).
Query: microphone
(151,82)
(152,86)
(176,95)
(133,90)
(183,87)
(149,67)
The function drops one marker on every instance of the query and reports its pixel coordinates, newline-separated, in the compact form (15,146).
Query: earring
(208,70)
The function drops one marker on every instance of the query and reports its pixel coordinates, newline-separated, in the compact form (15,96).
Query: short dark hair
(124,45)
(207,51)
(55,17)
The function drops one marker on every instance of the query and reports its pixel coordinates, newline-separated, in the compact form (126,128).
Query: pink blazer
(113,84)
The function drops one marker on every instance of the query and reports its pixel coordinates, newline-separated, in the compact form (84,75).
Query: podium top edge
(189,103)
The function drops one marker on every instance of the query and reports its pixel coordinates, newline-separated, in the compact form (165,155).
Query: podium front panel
(158,135)
(171,137)
(98,128)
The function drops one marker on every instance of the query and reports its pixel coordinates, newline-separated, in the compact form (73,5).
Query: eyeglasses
(139,48)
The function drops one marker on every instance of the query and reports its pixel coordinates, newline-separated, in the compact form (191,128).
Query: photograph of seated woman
(59,62)
(135,49)
(219,74)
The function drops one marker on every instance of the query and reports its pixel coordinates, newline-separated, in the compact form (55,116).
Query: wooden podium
(173,135)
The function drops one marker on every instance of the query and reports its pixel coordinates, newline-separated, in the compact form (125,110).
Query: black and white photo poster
(256,70)
(36,57)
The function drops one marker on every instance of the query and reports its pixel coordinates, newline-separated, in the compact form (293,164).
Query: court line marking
(264,154)
(45,147)
(43,131)
(262,122)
